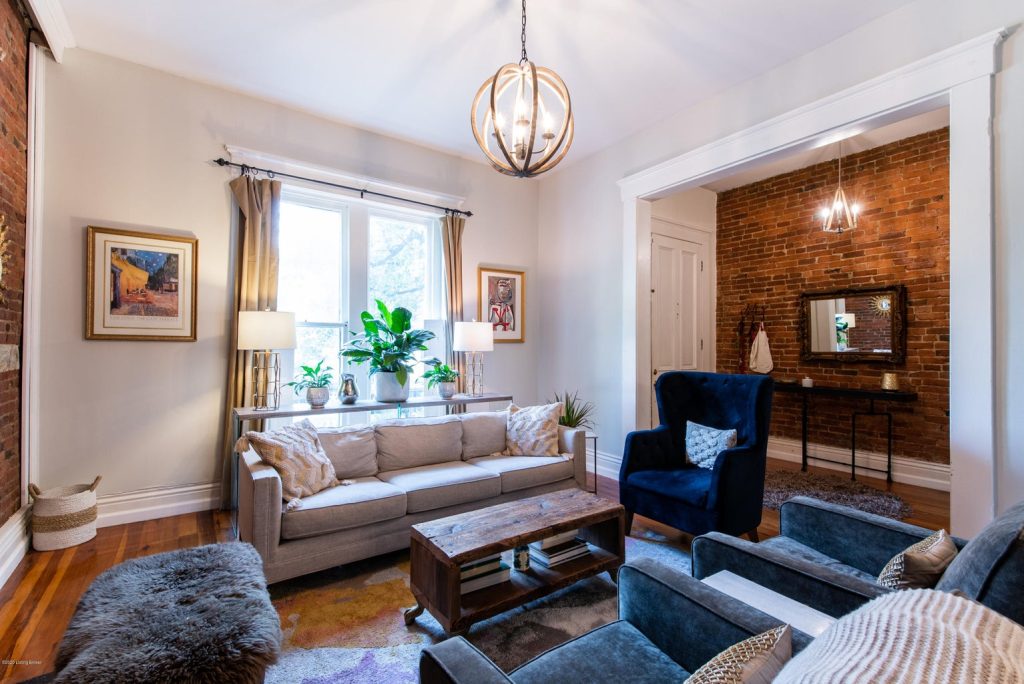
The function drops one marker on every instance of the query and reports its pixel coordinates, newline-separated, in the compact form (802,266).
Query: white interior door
(680,306)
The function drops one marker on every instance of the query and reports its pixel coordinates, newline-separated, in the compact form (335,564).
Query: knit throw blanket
(912,636)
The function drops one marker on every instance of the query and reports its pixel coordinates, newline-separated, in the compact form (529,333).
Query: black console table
(872,395)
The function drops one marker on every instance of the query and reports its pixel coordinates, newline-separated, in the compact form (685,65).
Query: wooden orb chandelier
(522,117)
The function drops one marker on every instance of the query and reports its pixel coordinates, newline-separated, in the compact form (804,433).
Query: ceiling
(409,68)
(866,140)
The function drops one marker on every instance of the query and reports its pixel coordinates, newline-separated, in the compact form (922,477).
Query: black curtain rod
(245,168)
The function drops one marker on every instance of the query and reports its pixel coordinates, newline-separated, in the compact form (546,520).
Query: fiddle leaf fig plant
(388,342)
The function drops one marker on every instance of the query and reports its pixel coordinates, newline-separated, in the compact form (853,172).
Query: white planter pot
(387,388)
(317,397)
(446,390)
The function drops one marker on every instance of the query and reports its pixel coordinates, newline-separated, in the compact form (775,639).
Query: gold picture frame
(501,301)
(140,286)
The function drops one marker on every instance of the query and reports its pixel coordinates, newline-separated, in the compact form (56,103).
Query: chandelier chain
(522,35)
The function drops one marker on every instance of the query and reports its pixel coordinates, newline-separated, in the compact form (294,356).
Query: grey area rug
(780,486)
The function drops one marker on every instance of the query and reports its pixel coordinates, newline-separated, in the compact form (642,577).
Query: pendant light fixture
(522,117)
(840,216)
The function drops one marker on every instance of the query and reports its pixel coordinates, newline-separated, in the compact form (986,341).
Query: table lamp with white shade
(473,338)
(265,332)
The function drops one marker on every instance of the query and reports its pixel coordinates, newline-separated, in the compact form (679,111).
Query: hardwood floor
(38,600)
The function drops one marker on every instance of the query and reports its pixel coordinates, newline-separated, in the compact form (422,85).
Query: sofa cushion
(616,652)
(296,454)
(522,472)
(797,550)
(443,484)
(704,444)
(352,450)
(917,635)
(413,442)
(990,569)
(483,434)
(920,565)
(689,485)
(339,508)
(533,430)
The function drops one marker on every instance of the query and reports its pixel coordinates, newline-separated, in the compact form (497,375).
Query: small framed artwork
(502,302)
(140,286)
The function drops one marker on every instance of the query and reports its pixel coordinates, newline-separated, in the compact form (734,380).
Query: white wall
(696,208)
(127,146)
(579,202)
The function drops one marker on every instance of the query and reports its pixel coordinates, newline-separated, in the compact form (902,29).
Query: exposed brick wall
(771,249)
(14,171)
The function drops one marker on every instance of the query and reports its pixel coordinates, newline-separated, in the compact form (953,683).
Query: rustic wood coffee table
(439,548)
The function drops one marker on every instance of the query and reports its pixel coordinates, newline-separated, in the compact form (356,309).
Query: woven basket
(64,516)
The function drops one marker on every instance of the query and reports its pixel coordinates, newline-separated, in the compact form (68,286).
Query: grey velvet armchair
(669,625)
(828,557)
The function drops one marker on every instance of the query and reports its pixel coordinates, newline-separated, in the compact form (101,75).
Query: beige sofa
(403,472)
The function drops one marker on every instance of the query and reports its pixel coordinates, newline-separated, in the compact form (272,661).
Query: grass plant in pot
(316,380)
(576,413)
(442,376)
(389,344)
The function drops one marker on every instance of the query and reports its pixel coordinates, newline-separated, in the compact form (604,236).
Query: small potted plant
(442,376)
(316,380)
(575,412)
(389,345)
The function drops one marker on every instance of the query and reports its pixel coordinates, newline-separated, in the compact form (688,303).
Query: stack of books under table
(482,573)
(559,549)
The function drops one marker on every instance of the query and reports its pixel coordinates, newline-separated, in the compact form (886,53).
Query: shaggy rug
(779,486)
(345,624)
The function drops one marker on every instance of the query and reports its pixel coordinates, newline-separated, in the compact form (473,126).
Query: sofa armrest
(259,504)
(862,540)
(648,450)
(686,619)
(456,661)
(574,441)
(830,591)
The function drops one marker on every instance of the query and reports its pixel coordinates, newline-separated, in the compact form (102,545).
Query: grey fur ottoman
(194,615)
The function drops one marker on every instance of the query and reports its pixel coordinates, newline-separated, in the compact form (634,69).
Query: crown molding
(53,24)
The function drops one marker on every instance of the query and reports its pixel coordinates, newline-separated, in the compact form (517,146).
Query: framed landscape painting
(140,286)
(502,297)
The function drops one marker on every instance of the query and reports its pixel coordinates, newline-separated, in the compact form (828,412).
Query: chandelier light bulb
(537,102)
(842,216)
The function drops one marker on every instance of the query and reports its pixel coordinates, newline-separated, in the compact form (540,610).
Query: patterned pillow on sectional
(533,430)
(296,454)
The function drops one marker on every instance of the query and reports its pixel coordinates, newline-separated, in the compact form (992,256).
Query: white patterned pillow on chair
(703,443)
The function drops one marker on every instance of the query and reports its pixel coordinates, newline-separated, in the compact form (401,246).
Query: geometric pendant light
(840,216)
(522,117)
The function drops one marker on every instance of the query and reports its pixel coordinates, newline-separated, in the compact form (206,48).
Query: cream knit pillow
(296,454)
(533,430)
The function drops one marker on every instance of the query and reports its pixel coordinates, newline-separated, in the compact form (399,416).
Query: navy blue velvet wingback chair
(656,480)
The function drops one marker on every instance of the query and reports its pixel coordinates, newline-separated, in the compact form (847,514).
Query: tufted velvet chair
(655,479)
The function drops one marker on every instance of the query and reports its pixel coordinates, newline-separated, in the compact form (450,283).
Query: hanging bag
(760,353)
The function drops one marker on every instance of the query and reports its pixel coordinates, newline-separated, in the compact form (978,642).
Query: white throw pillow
(533,430)
(703,444)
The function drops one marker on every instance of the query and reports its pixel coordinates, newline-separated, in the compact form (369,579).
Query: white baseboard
(156,502)
(905,470)
(13,543)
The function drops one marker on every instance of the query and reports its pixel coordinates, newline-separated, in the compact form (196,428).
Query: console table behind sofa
(872,395)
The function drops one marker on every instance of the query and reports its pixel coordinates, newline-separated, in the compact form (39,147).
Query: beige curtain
(256,269)
(451,236)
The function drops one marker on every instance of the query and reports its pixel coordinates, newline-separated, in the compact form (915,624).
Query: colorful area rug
(345,624)
(780,486)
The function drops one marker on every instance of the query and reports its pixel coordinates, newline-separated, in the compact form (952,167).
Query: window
(337,255)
